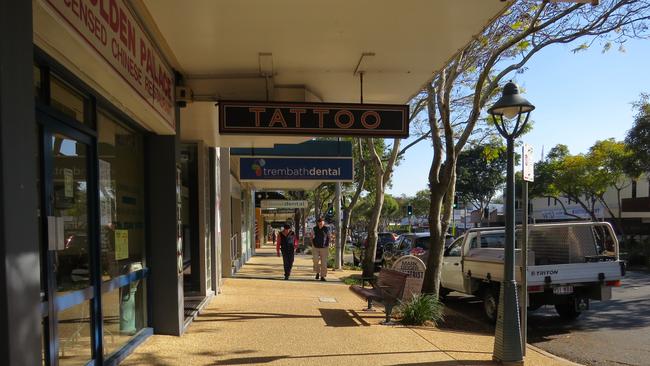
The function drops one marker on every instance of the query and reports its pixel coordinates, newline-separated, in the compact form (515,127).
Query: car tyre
(490,304)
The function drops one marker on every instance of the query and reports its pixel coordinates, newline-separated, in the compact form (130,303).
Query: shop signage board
(415,268)
(323,169)
(111,30)
(314,119)
(121,244)
(529,164)
(283,204)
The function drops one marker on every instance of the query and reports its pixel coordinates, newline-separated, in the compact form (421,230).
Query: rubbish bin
(127,305)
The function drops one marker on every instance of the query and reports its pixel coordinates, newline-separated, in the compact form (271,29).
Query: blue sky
(579,98)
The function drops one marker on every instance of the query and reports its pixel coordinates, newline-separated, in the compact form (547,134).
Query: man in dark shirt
(286,244)
(320,239)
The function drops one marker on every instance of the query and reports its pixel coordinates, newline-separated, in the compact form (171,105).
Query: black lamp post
(510,113)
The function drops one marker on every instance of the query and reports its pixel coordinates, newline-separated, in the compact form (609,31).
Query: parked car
(384,240)
(412,244)
(569,264)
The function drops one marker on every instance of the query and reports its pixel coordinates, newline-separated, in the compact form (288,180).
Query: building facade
(122,207)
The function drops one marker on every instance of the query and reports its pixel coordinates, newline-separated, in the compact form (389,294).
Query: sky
(580,98)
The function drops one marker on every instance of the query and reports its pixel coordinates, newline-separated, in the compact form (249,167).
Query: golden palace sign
(313,119)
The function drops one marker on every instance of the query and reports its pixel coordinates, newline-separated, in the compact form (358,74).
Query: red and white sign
(529,164)
(110,28)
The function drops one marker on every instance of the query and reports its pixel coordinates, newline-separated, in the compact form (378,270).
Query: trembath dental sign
(314,119)
(323,169)
(111,30)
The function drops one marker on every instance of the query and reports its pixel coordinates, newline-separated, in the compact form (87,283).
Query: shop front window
(67,100)
(122,216)
(37,81)
(74,335)
(123,315)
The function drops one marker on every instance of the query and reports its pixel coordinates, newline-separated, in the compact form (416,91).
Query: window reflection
(70,205)
(123,311)
(121,186)
(74,335)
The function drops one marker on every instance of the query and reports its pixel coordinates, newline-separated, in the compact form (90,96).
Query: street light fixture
(510,114)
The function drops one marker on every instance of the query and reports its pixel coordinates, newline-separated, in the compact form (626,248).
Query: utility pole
(339,239)
(524,266)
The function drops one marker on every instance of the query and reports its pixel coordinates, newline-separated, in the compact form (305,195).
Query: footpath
(261,319)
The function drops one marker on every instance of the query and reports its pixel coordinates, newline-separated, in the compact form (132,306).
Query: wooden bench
(388,290)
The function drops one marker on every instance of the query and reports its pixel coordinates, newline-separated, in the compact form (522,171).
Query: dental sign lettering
(112,31)
(323,169)
(313,119)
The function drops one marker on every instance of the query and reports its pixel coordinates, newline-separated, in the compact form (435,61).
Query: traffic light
(329,214)
(409,210)
(455,201)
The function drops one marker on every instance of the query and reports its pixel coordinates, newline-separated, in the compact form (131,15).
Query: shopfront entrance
(67,206)
(92,219)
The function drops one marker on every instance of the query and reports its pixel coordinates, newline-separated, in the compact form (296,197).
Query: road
(611,333)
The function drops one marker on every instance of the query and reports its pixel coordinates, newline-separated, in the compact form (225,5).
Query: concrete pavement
(263,320)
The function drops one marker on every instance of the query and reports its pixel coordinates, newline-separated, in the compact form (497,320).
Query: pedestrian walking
(320,239)
(287,243)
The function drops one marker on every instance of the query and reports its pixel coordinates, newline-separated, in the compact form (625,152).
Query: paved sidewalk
(268,321)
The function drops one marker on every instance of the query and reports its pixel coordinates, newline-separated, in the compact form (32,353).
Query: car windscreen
(385,238)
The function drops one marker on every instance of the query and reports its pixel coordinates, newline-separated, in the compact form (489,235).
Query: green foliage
(638,137)
(584,178)
(331,256)
(480,173)
(352,280)
(421,202)
(421,309)
(390,209)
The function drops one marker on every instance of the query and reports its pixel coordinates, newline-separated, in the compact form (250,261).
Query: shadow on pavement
(269,359)
(342,318)
(449,362)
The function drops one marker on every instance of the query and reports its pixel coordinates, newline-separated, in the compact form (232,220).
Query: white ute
(568,265)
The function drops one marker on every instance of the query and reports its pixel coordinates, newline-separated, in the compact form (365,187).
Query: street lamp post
(510,114)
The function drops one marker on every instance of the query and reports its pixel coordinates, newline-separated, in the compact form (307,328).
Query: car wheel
(567,311)
(490,304)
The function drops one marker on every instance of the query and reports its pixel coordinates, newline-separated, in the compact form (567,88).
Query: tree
(390,210)
(481,173)
(585,178)
(462,89)
(617,164)
(383,169)
(421,203)
(638,137)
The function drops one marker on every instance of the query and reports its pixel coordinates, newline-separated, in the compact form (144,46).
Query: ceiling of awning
(310,49)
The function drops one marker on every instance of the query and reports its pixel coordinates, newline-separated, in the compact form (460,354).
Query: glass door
(68,256)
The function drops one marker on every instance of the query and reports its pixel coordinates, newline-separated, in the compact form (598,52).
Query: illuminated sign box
(284,204)
(314,119)
(322,169)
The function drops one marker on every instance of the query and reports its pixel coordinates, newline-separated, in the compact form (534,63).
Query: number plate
(563,290)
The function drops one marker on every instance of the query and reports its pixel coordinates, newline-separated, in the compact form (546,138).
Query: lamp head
(511,103)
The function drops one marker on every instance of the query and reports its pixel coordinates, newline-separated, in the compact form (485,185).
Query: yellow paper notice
(121,244)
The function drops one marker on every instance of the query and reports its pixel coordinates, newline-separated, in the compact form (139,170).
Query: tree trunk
(442,202)
(317,203)
(434,261)
(345,223)
(619,217)
(371,247)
